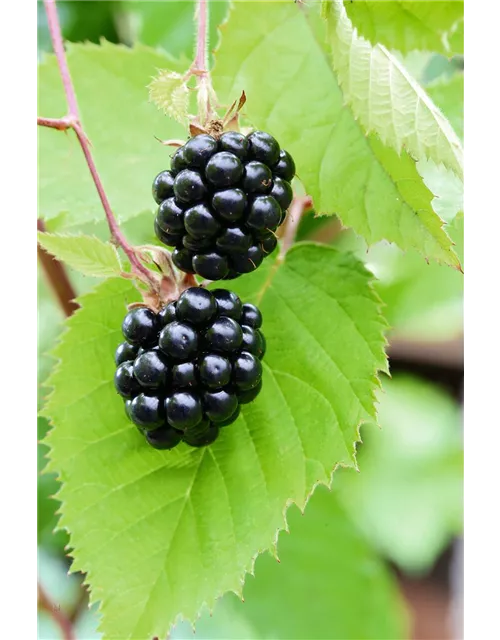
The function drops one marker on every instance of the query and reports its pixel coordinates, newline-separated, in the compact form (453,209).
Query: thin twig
(57,277)
(54,611)
(299,205)
(72,120)
(199,68)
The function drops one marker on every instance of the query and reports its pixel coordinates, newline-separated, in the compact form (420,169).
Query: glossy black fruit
(163,186)
(224,335)
(285,167)
(202,438)
(125,352)
(178,340)
(247,371)
(170,217)
(184,375)
(253,341)
(251,316)
(151,370)
(215,371)
(200,222)
(221,201)
(236,143)
(196,305)
(204,363)
(282,192)
(140,327)
(125,383)
(224,169)
(167,314)
(199,150)
(189,187)
(211,266)
(228,303)
(163,438)
(264,213)
(184,410)
(183,259)
(230,204)
(147,411)
(245,397)
(219,405)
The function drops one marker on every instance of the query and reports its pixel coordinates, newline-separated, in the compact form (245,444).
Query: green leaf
(385,98)
(161,533)
(87,254)
(111,86)
(448,94)
(168,90)
(372,189)
(350,593)
(407,26)
(407,497)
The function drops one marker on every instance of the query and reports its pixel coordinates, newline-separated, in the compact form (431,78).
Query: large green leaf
(87,254)
(386,99)
(407,497)
(372,189)
(111,85)
(329,584)
(407,26)
(161,533)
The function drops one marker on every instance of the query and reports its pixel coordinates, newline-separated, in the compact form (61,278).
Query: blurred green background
(406,504)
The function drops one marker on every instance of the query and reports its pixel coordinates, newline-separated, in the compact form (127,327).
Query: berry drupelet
(222,201)
(184,372)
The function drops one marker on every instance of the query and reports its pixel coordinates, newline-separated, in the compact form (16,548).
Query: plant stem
(54,611)
(57,277)
(200,61)
(299,205)
(200,64)
(72,120)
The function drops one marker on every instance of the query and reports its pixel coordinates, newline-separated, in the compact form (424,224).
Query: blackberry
(199,360)
(221,202)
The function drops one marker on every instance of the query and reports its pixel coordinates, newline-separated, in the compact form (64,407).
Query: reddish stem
(57,277)
(299,205)
(54,611)
(200,61)
(58,46)
(72,120)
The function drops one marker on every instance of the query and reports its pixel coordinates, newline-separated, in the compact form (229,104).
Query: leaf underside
(161,533)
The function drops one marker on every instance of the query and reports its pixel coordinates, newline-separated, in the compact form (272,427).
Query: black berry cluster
(221,202)
(185,371)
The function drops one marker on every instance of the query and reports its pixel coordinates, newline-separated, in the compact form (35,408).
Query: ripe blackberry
(199,360)
(221,202)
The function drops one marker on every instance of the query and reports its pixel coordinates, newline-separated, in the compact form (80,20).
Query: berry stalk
(72,121)
(54,611)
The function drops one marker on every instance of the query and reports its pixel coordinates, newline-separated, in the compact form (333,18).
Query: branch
(72,120)
(57,277)
(54,611)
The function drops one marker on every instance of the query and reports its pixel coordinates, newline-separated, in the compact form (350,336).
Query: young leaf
(350,593)
(168,90)
(407,26)
(372,189)
(385,98)
(111,86)
(160,533)
(87,254)
(408,497)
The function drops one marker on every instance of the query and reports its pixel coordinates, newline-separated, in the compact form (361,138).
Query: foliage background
(397,517)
